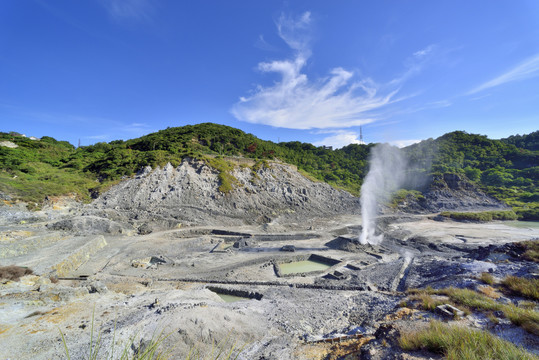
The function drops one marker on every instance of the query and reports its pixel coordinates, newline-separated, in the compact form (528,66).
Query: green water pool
(231,298)
(303,266)
(523,224)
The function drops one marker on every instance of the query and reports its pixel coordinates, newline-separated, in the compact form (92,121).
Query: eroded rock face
(451,192)
(189,194)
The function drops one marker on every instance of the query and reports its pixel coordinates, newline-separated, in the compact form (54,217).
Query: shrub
(14,272)
(481,216)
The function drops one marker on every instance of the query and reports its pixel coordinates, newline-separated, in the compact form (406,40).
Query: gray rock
(448,310)
(189,194)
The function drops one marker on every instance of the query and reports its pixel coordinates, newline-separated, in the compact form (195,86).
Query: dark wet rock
(451,192)
(96,286)
(145,229)
(288,248)
(157,260)
(88,225)
(241,244)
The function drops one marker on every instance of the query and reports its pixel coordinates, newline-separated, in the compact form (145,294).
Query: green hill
(37,168)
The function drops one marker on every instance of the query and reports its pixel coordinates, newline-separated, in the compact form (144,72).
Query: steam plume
(386,174)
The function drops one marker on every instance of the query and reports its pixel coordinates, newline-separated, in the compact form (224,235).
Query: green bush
(481,216)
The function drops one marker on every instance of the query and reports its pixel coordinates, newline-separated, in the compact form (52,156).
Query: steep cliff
(189,194)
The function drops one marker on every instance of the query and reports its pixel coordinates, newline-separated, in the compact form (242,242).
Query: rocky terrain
(157,252)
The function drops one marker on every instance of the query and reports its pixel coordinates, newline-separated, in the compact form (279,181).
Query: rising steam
(386,174)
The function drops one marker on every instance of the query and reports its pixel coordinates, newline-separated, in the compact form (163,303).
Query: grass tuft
(531,250)
(458,343)
(487,278)
(525,287)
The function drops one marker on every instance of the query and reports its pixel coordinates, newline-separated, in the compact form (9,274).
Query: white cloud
(526,70)
(295,32)
(424,52)
(129,9)
(339,139)
(404,143)
(296,102)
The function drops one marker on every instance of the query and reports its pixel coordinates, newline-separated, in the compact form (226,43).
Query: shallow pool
(523,224)
(231,298)
(304,266)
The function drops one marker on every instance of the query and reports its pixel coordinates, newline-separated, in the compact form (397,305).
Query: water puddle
(231,298)
(523,224)
(304,266)
(231,295)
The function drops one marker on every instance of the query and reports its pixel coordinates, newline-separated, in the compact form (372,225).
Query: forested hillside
(37,168)
(505,171)
(530,141)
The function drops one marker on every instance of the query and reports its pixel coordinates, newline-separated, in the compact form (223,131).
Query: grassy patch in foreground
(458,343)
(153,349)
(526,318)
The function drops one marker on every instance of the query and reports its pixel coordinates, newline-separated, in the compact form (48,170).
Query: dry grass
(459,343)
(426,301)
(14,272)
(489,291)
(525,287)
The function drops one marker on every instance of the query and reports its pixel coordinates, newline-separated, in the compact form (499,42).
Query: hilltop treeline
(506,168)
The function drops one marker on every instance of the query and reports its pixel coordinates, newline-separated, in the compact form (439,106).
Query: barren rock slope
(189,194)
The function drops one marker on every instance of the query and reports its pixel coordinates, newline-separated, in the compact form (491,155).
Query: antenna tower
(361,142)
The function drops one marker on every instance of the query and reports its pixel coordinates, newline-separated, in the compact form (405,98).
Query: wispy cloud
(424,52)
(339,139)
(525,70)
(339,100)
(141,10)
(262,44)
(404,143)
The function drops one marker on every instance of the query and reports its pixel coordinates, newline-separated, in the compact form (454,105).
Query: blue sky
(310,70)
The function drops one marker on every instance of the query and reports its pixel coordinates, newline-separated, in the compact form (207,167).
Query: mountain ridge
(40,168)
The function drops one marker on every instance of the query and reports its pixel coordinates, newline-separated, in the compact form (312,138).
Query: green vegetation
(401,195)
(459,343)
(35,169)
(530,141)
(487,278)
(525,287)
(528,319)
(503,170)
(506,169)
(531,250)
(481,216)
(227,182)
